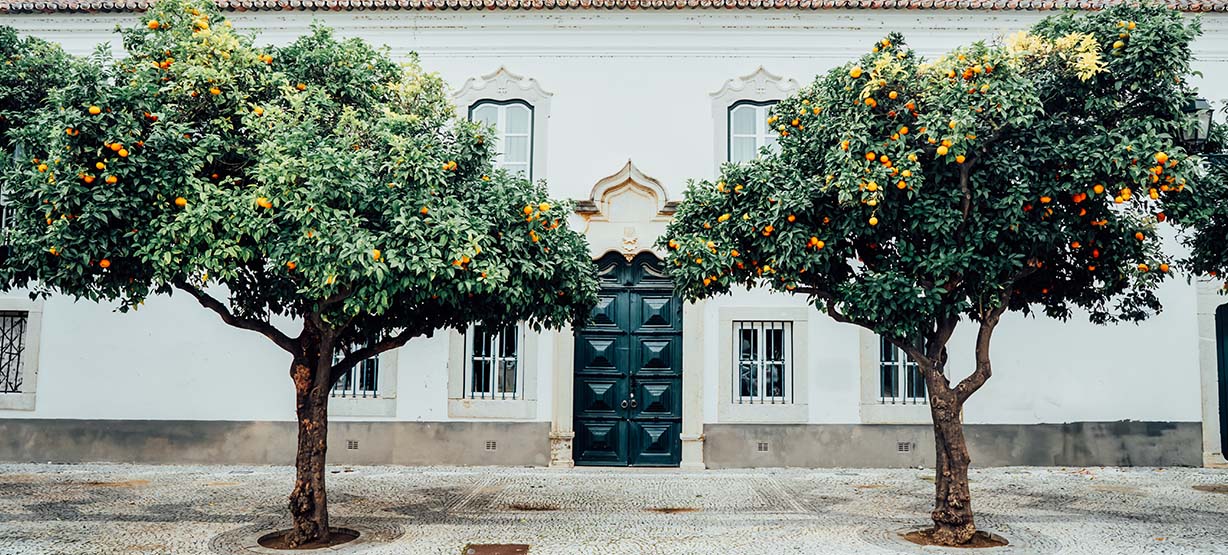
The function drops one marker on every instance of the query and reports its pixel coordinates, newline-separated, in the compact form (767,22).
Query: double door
(628,380)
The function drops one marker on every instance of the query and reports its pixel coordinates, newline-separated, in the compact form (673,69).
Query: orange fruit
(215,91)
(258,111)
(153,24)
(123,153)
(181,202)
(870,156)
(959,159)
(873,220)
(104,263)
(1161,157)
(291,265)
(264,202)
(94,110)
(1164,268)
(544,207)
(111,179)
(1139,235)
(100,166)
(1143,268)
(791,218)
(1098,189)
(855,72)
(301,86)
(42,168)
(942,151)
(424,210)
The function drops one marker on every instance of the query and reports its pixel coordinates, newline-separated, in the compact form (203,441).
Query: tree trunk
(308,503)
(952,515)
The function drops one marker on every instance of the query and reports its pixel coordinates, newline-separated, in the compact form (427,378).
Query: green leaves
(998,173)
(318,178)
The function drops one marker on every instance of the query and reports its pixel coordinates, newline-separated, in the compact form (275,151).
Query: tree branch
(387,344)
(264,328)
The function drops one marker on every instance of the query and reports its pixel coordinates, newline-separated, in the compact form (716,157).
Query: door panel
(657,354)
(628,381)
(657,399)
(601,442)
(656,444)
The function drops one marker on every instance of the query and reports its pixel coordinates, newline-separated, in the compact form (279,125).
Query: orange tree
(910,196)
(1204,216)
(32,68)
(320,181)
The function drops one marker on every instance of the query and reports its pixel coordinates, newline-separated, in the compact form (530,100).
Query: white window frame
(761,362)
(495,358)
(460,359)
(501,127)
(760,85)
(503,86)
(763,136)
(875,409)
(902,367)
(25,399)
(382,403)
(796,408)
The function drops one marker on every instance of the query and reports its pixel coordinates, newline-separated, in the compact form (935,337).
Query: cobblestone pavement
(130,509)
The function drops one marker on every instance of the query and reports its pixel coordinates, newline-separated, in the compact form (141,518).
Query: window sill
(880,413)
(16,401)
(521,409)
(359,406)
(796,413)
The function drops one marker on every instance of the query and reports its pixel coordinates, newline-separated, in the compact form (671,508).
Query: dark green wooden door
(628,384)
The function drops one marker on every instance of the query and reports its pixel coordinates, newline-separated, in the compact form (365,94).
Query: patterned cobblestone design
(131,509)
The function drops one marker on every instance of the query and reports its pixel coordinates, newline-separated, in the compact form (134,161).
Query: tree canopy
(907,190)
(321,177)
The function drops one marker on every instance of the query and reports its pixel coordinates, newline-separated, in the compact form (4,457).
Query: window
(361,381)
(493,363)
(513,121)
(900,379)
(749,130)
(764,362)
(12,350)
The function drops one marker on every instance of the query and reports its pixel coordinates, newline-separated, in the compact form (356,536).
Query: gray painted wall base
(527,443)
(869,445)
(229,442)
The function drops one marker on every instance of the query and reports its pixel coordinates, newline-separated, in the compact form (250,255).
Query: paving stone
(170,510)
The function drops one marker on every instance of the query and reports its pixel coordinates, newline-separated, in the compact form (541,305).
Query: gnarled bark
(308,502)
(952,515)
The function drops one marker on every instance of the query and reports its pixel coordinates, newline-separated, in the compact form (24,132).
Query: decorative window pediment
(503,99)
(739,113)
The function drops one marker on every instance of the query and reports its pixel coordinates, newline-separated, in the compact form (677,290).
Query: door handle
(633,403)
(624,403)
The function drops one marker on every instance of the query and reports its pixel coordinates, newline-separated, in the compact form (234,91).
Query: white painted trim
(385,404)
(503,85)
(760,85)
(796,412)
(872,410)
(562,432)
(25,400)
(1208,300)
(524,408)
(693,386)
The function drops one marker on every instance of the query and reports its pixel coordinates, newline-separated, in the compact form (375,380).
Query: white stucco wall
(626,85)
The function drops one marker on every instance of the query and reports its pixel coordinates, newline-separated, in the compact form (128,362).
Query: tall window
(513,121)
(12,349)
(900,379)
(360,381)
(493,363)
(749,130)
(763,356)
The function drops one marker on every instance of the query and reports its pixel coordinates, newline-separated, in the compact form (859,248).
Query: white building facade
(616,108)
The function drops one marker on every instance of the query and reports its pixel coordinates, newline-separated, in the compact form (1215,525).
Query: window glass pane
(487,114)
(522,169)
(517,118)
(772,143)
(743,120)
(748,379)
(775,344)
(749,344)
(776,379)
(742,149)
(888,388)
(507,376)
(516,149)
(916,382)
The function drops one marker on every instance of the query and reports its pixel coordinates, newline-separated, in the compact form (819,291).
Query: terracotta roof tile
(86,6)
